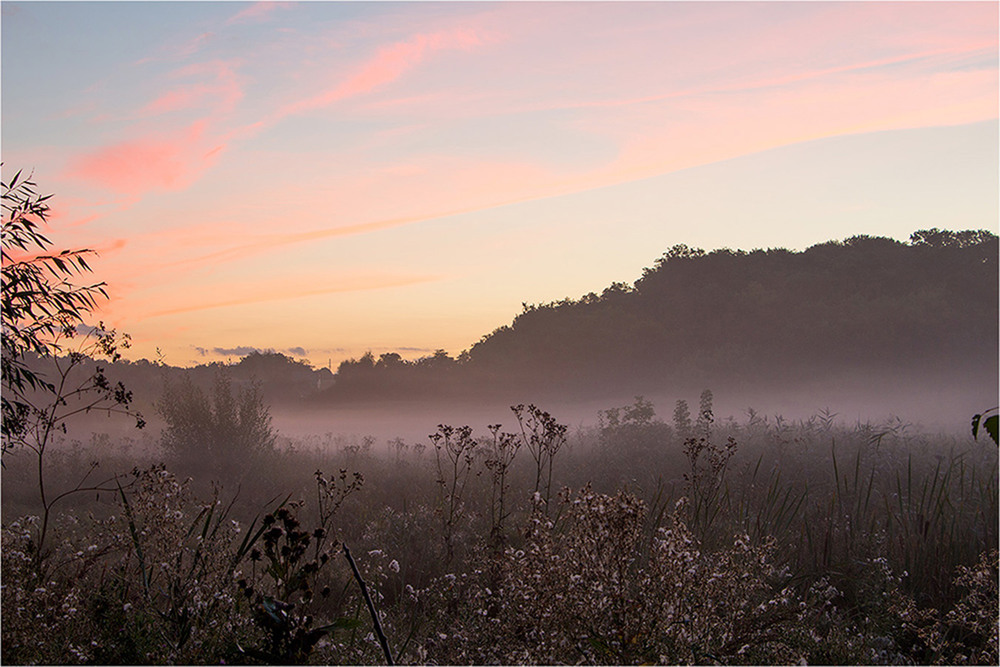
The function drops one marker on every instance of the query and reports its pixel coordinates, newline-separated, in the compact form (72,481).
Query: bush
(229,429)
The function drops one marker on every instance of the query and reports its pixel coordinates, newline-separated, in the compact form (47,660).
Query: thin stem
(383,642)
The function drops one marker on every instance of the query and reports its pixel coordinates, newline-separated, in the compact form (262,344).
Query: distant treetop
(938,238)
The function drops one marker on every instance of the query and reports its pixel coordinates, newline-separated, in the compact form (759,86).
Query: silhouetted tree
(41,307)
(46,347)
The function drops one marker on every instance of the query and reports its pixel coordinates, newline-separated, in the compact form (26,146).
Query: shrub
(227,430)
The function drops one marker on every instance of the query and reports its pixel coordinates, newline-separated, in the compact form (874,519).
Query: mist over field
(927,404)
(930,404)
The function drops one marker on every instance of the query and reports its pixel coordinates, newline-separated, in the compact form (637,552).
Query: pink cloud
(200,236)
(106,247)
(753,83)
(222,94)
(440,188)
(172,162)
(178,98)
(194,45)
(84,221)
(73,216)
(111,246)
(181,50)
(258,11)
(151,163)
(866,66)
(390,63)
(167,160)
(759,117)
(80,109)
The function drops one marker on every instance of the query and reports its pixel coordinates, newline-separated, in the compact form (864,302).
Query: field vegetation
(742,541)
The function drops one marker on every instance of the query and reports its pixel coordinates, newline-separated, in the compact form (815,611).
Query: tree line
(733,315)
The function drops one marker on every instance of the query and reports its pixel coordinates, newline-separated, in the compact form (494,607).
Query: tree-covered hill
(763,316)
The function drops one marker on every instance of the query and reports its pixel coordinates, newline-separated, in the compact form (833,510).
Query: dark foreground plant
(48,373)
(454,451)
(990,422)
(293,559)
(283,598)
(543,437)
(502,448)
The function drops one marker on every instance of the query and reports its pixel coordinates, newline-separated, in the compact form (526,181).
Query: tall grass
(806,540)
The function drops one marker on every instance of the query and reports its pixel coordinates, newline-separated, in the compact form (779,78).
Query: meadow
(691,539)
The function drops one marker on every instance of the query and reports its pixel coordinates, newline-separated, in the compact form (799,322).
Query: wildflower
(394,565)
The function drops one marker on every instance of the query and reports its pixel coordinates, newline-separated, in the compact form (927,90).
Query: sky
(322,179)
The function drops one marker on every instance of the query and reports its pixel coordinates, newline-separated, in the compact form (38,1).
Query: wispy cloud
(257,295)
(172,160)
(239,351)
(257,12)
(174,51)
(482,186)
(220,94)
(69,213)
(389,64)
(155,162)
(245,350)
